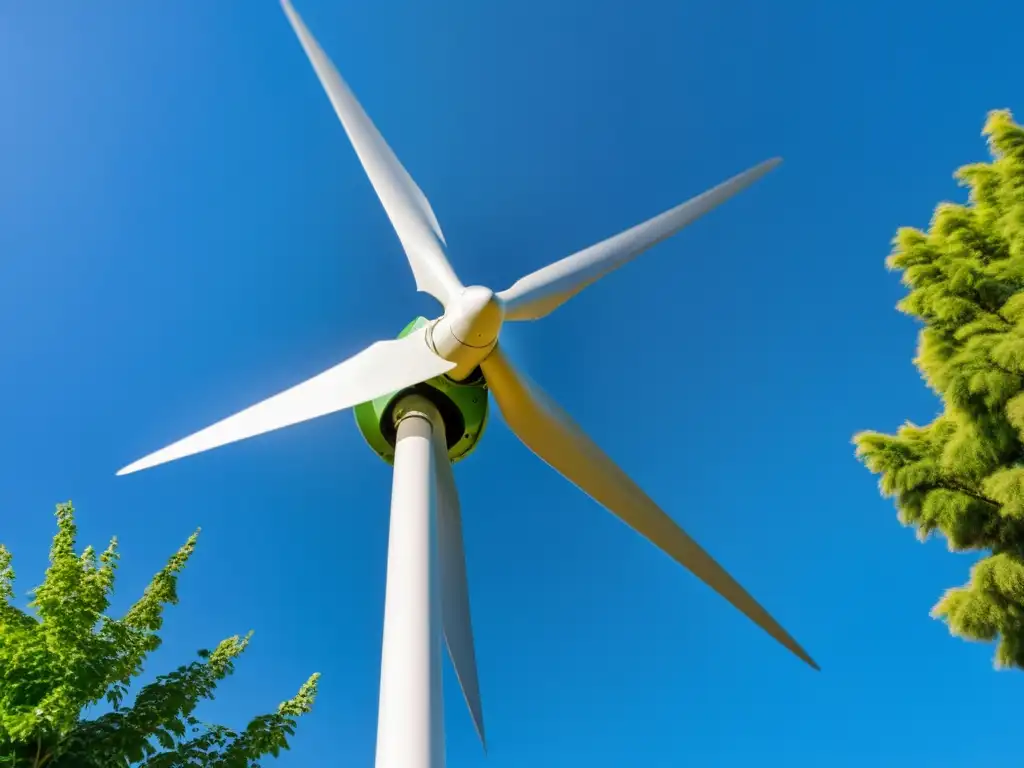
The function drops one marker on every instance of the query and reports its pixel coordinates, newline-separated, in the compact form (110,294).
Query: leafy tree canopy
(67,654)
(962,475)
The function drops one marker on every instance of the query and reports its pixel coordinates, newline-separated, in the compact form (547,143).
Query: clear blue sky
(185,230)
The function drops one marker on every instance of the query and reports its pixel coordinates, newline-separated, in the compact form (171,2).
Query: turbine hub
(468,330)
(475,316)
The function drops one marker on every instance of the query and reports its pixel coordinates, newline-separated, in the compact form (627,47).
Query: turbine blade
(551,434)
(542,292)
(404,202)
(458,627)
(380,368)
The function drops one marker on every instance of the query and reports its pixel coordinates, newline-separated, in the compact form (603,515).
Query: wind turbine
(421,402)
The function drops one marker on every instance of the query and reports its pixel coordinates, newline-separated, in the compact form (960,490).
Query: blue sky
(185,230)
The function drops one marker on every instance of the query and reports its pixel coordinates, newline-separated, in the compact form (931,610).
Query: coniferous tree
(962,475)
(66,655)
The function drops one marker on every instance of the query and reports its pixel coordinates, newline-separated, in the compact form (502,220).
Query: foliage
(70,655)
(963,474)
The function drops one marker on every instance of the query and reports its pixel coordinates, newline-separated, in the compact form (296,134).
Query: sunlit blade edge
(543,291)
(380,368)
(455,604)
(407,207)
(552,435)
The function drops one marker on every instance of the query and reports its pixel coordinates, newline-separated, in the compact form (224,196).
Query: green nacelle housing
(462,405)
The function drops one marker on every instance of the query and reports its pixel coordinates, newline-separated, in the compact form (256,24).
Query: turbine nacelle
(468,330)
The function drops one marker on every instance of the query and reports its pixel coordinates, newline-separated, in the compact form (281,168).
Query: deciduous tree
(66,654)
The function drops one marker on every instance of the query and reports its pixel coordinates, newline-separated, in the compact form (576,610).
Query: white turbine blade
(380,368)
(458,627)
(551,434)
(404,202)
(542,292)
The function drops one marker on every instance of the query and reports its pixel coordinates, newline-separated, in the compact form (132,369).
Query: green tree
(963,474)
(70,655)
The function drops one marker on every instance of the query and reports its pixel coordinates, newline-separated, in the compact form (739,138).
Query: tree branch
(953,485)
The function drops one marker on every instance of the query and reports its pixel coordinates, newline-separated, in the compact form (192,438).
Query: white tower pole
(410,718)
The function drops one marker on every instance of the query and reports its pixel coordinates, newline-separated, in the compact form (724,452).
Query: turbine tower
(421,402)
